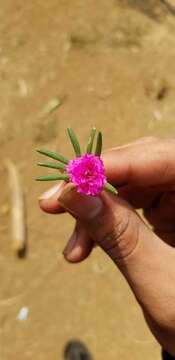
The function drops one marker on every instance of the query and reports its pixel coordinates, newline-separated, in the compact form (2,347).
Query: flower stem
(53,155)
(74,142)
(91,141)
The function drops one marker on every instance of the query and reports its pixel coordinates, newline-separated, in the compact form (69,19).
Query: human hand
(144,174)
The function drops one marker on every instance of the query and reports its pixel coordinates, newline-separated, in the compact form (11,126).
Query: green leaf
(53,155)
(53,177)
(110,188)
(91,141)
(52,165)
(74,142)
(98,149)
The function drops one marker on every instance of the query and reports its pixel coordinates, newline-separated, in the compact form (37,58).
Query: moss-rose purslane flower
(86,171)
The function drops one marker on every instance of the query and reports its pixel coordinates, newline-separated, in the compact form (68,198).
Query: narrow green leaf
(91,141)
(53,155)
(52,165)
(74,142)
(53,177)
(110,188)
(98,149)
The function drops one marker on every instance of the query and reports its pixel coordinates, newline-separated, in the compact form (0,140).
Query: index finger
(148,163)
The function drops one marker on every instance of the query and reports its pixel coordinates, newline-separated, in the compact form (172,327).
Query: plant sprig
(63,161)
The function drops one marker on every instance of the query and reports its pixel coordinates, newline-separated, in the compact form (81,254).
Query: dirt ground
(75,63)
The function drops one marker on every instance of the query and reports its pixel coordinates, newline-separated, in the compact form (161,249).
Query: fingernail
(49,193)
(71,244)
(81,206)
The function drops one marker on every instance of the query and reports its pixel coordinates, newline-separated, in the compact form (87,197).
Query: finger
(117,162)
(48,200)
(141,164)
(141,256)
(168,237)
(79,246)
(119,170)
(140,197)
(109,220)
(162,216)
(142,140)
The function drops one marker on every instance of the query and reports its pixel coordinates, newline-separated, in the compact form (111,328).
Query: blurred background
(109,64)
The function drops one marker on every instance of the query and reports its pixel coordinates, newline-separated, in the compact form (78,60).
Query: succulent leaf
(91,141)
(98,149)
(50,165)
(53,155)
(110,188)
(53,177)
(74,142)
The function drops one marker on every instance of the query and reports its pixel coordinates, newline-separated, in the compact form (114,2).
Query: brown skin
(144,173)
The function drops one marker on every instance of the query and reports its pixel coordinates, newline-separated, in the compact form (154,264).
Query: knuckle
(114,233)
(117,239)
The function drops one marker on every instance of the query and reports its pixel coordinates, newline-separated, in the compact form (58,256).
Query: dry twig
(18,218)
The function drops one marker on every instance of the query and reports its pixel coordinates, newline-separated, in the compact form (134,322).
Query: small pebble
(23,314)
(23,87)
(157,115)
(51,106)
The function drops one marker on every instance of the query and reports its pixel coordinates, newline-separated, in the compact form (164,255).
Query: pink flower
(87,173)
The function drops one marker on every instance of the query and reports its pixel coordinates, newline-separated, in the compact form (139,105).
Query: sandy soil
(110,64)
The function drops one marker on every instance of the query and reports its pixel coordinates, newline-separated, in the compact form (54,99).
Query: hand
(144,174)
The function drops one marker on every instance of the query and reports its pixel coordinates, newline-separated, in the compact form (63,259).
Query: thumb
(109,220)
(143,258)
